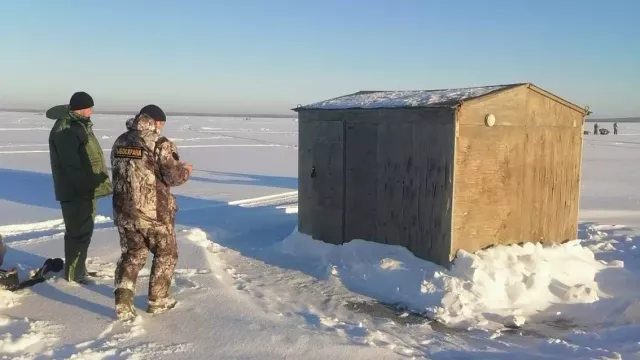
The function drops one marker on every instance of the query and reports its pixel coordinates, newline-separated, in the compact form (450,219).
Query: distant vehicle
(604,132)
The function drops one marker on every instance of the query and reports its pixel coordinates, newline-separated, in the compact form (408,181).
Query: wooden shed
(437,171)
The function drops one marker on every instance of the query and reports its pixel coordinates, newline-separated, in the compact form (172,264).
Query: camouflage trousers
(136,243)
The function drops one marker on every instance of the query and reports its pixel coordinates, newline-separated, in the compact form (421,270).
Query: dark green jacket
(77,160)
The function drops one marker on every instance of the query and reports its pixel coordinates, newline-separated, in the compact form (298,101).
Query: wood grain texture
(508,106)
(377,116)
(321,198)
(518,181)
(399,179)
(433,168)
(548,112)
(488,184)
(328,185)
(361,180)
(395,150)
(553,163)
(306,133)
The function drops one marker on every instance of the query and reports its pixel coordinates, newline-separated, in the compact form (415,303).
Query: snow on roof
(399,99)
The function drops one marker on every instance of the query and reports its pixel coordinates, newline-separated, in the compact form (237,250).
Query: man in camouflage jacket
(145,166)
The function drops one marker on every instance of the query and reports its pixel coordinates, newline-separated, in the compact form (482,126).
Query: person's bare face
(85,112)
(159,125)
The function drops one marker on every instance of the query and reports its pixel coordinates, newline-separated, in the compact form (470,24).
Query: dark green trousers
(79,217)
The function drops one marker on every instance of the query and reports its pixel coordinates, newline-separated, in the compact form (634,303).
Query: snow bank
(23,336)
(492,288)
(9,299)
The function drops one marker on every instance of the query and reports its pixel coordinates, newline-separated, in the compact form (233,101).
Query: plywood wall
(398,176)
(518,180)
(553,169)
(321,198)
(400,179)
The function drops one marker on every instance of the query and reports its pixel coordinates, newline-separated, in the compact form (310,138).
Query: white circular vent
(490,120)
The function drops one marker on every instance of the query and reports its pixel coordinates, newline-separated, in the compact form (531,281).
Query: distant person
(615,128)
(145,166)
(79,177)
(595,129)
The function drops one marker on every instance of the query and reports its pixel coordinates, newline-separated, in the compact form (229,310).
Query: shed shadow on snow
(36,189)
(226,223)
(248,179)
(268,224)
(253,232)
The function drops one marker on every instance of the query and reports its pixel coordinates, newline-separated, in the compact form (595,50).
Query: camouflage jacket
(145,165)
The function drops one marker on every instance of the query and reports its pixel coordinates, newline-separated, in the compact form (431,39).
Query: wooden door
(361,146)
(321,180)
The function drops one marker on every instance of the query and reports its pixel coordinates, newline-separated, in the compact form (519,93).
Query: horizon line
(262,115)
(171,113)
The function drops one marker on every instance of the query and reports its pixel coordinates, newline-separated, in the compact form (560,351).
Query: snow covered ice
(250,286)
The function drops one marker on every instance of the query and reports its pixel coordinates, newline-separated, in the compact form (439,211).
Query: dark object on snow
(604,131)
(9,279)
(586,132)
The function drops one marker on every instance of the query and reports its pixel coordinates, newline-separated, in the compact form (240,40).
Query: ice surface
(482,290)
(249,286)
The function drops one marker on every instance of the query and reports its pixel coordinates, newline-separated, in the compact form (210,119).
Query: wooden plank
(443,193)
(488,185)
(375,116)
(509,108)
(544,111)
(384,188)
(559,100)
(398,185)
(521,106)
(306,134)
(403,182)
(551,185)
(328,183)
(398,176)
(433,149)
(519,182)
(552,182)
(361,181)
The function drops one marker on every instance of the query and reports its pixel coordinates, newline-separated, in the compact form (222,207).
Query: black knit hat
(154,112)
(80,100)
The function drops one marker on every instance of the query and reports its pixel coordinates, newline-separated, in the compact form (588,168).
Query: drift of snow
(482,290)
(411,98)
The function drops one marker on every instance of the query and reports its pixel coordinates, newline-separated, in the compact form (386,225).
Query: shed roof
(404,99)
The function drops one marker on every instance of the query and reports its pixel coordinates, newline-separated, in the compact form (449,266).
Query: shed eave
(443,106)
(558,99)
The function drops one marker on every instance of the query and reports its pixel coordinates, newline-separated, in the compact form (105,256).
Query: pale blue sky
(270,55)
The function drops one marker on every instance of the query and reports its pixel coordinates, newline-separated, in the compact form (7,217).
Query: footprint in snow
(185,283)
